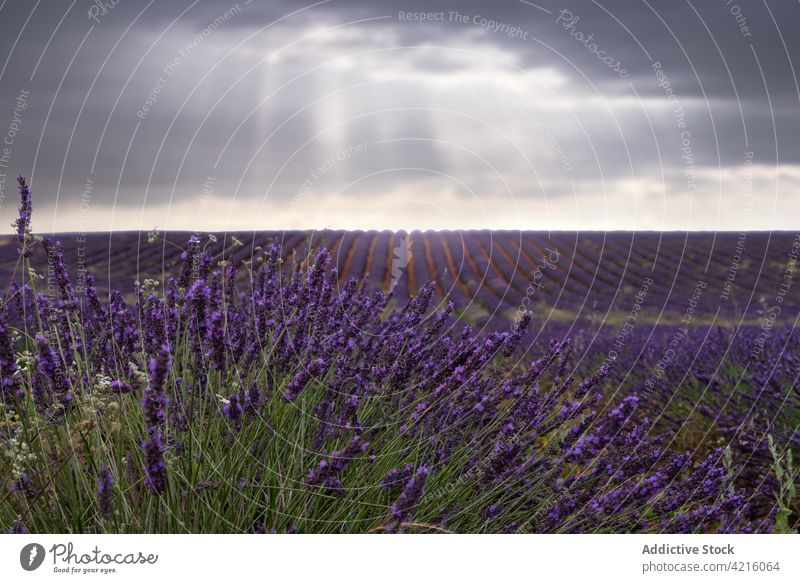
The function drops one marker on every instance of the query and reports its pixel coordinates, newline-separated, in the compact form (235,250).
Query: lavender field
(475,381)
(566,276)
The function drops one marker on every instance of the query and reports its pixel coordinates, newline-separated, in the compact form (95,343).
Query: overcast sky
(200,114)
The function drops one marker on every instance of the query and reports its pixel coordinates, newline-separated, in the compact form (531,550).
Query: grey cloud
(623,137)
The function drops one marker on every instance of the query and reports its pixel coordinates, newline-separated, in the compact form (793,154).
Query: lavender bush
(257,397)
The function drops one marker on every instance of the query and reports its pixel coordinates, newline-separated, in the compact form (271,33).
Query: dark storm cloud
(100,106)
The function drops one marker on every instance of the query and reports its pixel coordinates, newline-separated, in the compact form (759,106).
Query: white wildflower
(102,382)
(149,286)
(139,374)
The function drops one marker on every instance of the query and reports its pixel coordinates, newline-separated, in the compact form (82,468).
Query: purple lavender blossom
(155,401)
(518,332)
(328,471)
(18,528)
(120,386)
(233,411)
(10,388)
(154,404)
(406,504)
(51,367)
(189,265)
(154,465)
(55,259)
(298,384)
(91,293)
(396,478)
(23,222)
(105,493)
(217,347)
(24,486)
(253,400)
(160,367)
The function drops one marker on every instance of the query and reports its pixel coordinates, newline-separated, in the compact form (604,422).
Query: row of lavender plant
(252,398)
(738,386)
(708,387)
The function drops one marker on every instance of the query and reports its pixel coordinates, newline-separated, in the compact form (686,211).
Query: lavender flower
(217,348)
(396,478)
(10,388)
(24,486)
(298,384)
(23,222)
(52,368)
(154,404)
(189,265)
(328,471)
(404,507)
(120,386)
(18,528)
(253,400)
(155,468)
(91,293)
(55,259)
(518,332)
(233,411)
(160,367)
(105,493)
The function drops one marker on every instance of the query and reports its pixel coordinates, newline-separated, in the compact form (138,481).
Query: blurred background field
(568,277)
